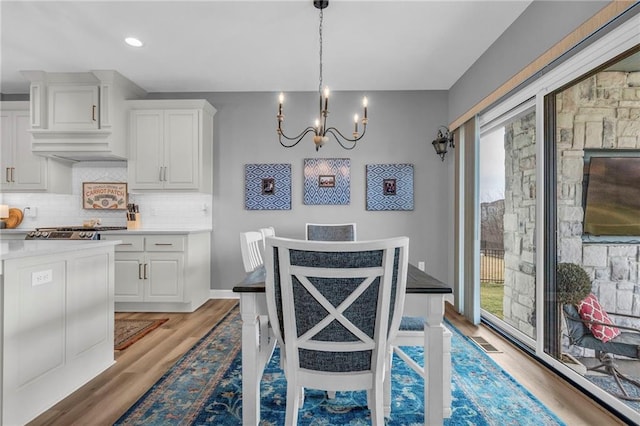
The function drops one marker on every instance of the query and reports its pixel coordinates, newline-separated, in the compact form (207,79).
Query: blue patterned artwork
(389,186)
(327,181)
(267,186)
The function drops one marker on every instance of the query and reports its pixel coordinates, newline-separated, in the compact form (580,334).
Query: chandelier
(319,129)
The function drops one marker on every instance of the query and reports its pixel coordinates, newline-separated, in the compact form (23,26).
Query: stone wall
(519,224)
(601,112)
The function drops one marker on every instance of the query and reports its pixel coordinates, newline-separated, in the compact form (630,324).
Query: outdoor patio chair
(626,344)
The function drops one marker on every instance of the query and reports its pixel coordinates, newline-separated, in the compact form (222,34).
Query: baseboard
(223,294)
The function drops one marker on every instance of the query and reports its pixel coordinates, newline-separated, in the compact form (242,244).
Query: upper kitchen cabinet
(22,171)
(170,145)
(80,116)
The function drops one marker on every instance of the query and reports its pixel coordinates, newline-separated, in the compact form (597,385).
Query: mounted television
(613,196)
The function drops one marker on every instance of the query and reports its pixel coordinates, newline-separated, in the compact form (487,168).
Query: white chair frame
(267,232)
(373,379)
(251,247)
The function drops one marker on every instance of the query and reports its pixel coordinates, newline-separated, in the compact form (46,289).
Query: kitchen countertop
(14,249)
(162,231)
(14,231)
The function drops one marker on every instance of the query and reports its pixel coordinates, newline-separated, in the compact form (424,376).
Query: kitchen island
(56,326)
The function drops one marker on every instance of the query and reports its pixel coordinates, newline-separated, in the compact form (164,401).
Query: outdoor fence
(491,266)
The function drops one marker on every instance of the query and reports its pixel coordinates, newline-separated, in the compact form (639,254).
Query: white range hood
(80,116)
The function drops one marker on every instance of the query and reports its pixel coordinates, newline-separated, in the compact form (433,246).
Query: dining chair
(267,232)
(330,231)
(334,308)
(251,248)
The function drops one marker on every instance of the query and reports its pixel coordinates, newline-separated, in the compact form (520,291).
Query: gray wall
(401,128)
(541,25)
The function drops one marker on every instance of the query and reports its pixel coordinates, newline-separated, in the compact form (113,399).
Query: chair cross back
(364,341)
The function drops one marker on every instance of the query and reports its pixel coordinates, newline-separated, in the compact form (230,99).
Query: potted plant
(572,286)
(572,283)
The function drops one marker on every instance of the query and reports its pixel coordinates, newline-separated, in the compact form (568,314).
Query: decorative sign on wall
(327,181)
(267,186)
(104,195)
(389,186)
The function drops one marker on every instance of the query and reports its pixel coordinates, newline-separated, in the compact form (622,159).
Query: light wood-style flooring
(104,399)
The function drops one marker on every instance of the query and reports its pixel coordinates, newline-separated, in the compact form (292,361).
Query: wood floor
(104,399)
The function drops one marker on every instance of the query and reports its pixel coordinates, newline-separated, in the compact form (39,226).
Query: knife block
(136,223)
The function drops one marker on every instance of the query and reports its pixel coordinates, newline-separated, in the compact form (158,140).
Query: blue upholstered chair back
(327,271)
(331,232)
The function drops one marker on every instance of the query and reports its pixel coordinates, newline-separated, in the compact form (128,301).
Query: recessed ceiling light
(132,41)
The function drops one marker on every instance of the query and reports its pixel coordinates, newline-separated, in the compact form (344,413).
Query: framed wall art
(267,186)
(104,195)
(327,181)
(389,187)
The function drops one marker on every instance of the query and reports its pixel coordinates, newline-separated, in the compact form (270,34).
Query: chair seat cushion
(412,324)
(590,310)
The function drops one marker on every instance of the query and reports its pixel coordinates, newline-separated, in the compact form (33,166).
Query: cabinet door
(30,171)
(6,149)
(73,107)
(146,157)
(165,277)
(129,277)
(181,149)
(21,169)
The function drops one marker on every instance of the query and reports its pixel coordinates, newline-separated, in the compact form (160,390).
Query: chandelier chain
(320,32)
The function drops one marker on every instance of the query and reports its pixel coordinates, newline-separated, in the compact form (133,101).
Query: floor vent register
(486,346)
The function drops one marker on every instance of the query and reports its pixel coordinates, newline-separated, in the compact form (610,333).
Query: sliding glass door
(507,196)
(595,129)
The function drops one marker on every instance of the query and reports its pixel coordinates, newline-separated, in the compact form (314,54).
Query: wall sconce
(444,138)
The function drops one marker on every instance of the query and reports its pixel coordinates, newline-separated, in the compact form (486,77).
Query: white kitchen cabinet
(73,107)
(161,272)
(21,169)
(170,145)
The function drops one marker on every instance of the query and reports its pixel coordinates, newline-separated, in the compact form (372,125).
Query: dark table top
(417,282)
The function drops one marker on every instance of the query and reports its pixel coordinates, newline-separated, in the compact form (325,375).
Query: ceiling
(260,45)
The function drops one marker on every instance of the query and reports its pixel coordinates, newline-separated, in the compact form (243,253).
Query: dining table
(425,296)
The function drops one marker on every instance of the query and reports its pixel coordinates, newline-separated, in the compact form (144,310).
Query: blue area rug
(204,387)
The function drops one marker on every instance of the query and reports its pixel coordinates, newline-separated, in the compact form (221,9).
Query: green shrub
(572,283)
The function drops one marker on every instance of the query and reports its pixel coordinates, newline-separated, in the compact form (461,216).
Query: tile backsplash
(157,210)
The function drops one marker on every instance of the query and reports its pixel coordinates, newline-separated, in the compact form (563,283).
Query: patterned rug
(129,331)
(204,388)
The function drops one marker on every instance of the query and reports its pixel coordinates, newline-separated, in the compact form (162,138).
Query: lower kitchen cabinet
(161,272)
